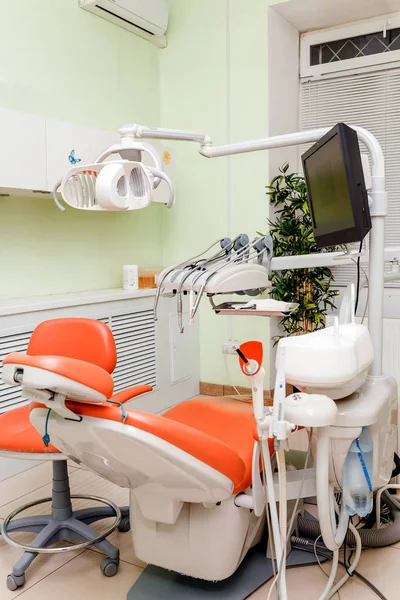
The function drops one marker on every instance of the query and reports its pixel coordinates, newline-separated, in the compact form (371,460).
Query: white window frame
(347,31)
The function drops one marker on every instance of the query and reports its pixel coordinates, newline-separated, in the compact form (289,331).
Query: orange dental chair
(75,340)
(186,470)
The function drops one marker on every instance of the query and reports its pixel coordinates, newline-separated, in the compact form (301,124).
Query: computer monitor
(337,195)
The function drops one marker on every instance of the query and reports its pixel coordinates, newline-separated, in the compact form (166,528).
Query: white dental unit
(189,516)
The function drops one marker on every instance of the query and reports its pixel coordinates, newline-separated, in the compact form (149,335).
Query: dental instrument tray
(243,309)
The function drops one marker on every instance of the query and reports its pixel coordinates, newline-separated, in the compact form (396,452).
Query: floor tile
(81,578)
(380,566)
(83,482)
(41,567)
(24,483)
(124,542)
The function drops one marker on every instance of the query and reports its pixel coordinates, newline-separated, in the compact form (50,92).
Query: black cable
(358,279)
(396,470)
(356,573)
(346,565)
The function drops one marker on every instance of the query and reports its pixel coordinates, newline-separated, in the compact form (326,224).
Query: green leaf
(291,230)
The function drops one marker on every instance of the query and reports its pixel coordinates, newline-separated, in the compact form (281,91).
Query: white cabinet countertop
(13,306)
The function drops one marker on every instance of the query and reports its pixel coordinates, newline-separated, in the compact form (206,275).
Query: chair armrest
(130,393)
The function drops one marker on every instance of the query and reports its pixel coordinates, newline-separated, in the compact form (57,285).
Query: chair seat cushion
(18,435)
(228,420)
(217,431)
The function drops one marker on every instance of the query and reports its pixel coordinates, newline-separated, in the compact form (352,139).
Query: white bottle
(357,476)
(131,277)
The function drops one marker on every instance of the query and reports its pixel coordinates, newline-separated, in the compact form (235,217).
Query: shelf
(226,309)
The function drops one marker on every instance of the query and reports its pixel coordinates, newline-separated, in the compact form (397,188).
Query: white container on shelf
(131,277)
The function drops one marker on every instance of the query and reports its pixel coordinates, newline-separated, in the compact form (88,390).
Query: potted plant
(292,234)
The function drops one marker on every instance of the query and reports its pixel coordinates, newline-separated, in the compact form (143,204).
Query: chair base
(64,525)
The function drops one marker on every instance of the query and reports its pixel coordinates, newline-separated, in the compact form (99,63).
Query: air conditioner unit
(146,18)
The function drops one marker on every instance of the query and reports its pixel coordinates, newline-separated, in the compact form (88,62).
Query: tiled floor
(76,575)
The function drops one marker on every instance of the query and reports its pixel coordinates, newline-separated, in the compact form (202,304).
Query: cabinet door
(65,140)
(22,151)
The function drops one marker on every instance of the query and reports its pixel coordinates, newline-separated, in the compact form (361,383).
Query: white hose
(353,565)
(332,535)
(326,593)
(282,507)
(282,592)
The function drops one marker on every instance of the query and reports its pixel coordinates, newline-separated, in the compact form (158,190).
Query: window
(355,47)
(368,97)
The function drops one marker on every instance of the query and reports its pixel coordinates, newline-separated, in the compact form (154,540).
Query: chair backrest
(83,339)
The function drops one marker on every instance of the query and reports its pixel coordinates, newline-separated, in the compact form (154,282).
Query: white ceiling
(304,15)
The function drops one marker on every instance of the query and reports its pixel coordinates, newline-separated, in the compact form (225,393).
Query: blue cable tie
(46,437)
(364,466)
(123,411)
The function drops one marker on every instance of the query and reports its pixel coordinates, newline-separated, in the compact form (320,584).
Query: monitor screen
(336,188)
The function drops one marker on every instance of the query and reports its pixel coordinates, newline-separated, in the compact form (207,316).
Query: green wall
(214,78)
(65,63)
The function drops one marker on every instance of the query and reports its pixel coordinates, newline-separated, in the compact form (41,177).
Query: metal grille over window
(355,47)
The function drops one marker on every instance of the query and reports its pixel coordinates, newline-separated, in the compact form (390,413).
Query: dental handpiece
(181,265)
(223,257)
(248,248)
(264,244)
(240,245)
(202,263)
(226,246)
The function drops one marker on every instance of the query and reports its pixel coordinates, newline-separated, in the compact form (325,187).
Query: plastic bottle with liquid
(357,476)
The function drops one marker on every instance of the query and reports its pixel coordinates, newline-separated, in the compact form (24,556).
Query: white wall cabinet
(62,138)
(35,153)
(22,152)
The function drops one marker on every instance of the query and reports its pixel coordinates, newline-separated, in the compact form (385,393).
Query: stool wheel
(15,581)
(124,525)
(109,567)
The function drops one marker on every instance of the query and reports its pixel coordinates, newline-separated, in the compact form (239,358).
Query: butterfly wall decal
(73,159)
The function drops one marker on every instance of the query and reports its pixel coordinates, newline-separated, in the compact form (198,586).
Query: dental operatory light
(122,183)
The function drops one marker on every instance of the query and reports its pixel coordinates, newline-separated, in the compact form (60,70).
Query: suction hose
(371,538)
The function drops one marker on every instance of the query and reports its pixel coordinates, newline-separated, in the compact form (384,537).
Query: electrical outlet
(230,347)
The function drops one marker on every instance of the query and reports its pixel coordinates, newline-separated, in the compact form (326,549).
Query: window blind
(370,100)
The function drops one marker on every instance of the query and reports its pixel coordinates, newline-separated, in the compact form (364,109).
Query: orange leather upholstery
(216,431)
(84,339)
(84,373)
(18,435)
(130,393)
(227,420)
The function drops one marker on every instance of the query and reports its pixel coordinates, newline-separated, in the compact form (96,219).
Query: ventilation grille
(135,338)
(10,396)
